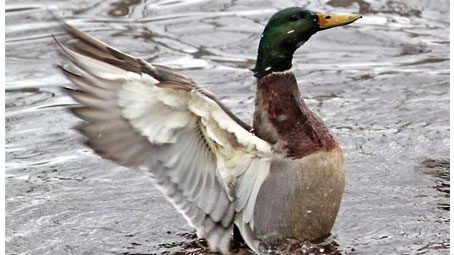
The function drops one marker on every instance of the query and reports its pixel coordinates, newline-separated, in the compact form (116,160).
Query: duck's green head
(286,31)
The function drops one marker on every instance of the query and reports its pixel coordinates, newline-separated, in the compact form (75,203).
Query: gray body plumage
(300,198)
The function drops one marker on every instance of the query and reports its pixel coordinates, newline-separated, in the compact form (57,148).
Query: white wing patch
(151,116)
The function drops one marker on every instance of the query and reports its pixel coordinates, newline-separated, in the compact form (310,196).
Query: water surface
(381,84)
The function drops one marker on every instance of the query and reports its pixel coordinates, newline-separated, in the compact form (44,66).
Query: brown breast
(282,118)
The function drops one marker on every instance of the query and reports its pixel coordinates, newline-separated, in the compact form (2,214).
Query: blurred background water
(381,84)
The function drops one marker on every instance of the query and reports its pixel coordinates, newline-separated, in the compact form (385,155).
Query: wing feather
(203,158)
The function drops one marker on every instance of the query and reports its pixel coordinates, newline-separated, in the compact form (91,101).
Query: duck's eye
(294,17)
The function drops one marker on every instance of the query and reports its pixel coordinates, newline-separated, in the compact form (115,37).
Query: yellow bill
(328,20)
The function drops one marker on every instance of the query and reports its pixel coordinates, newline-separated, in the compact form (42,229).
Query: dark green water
(381,84)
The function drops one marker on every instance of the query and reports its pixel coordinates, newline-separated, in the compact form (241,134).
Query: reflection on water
(295,247)
(440,170)
(381,84)
(194,245)
(123,8)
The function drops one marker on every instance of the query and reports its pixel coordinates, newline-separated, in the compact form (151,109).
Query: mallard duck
(281,178)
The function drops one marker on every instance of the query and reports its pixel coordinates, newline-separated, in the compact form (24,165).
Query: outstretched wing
(203,158)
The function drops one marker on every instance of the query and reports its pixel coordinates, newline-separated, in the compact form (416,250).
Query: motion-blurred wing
(202,157)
